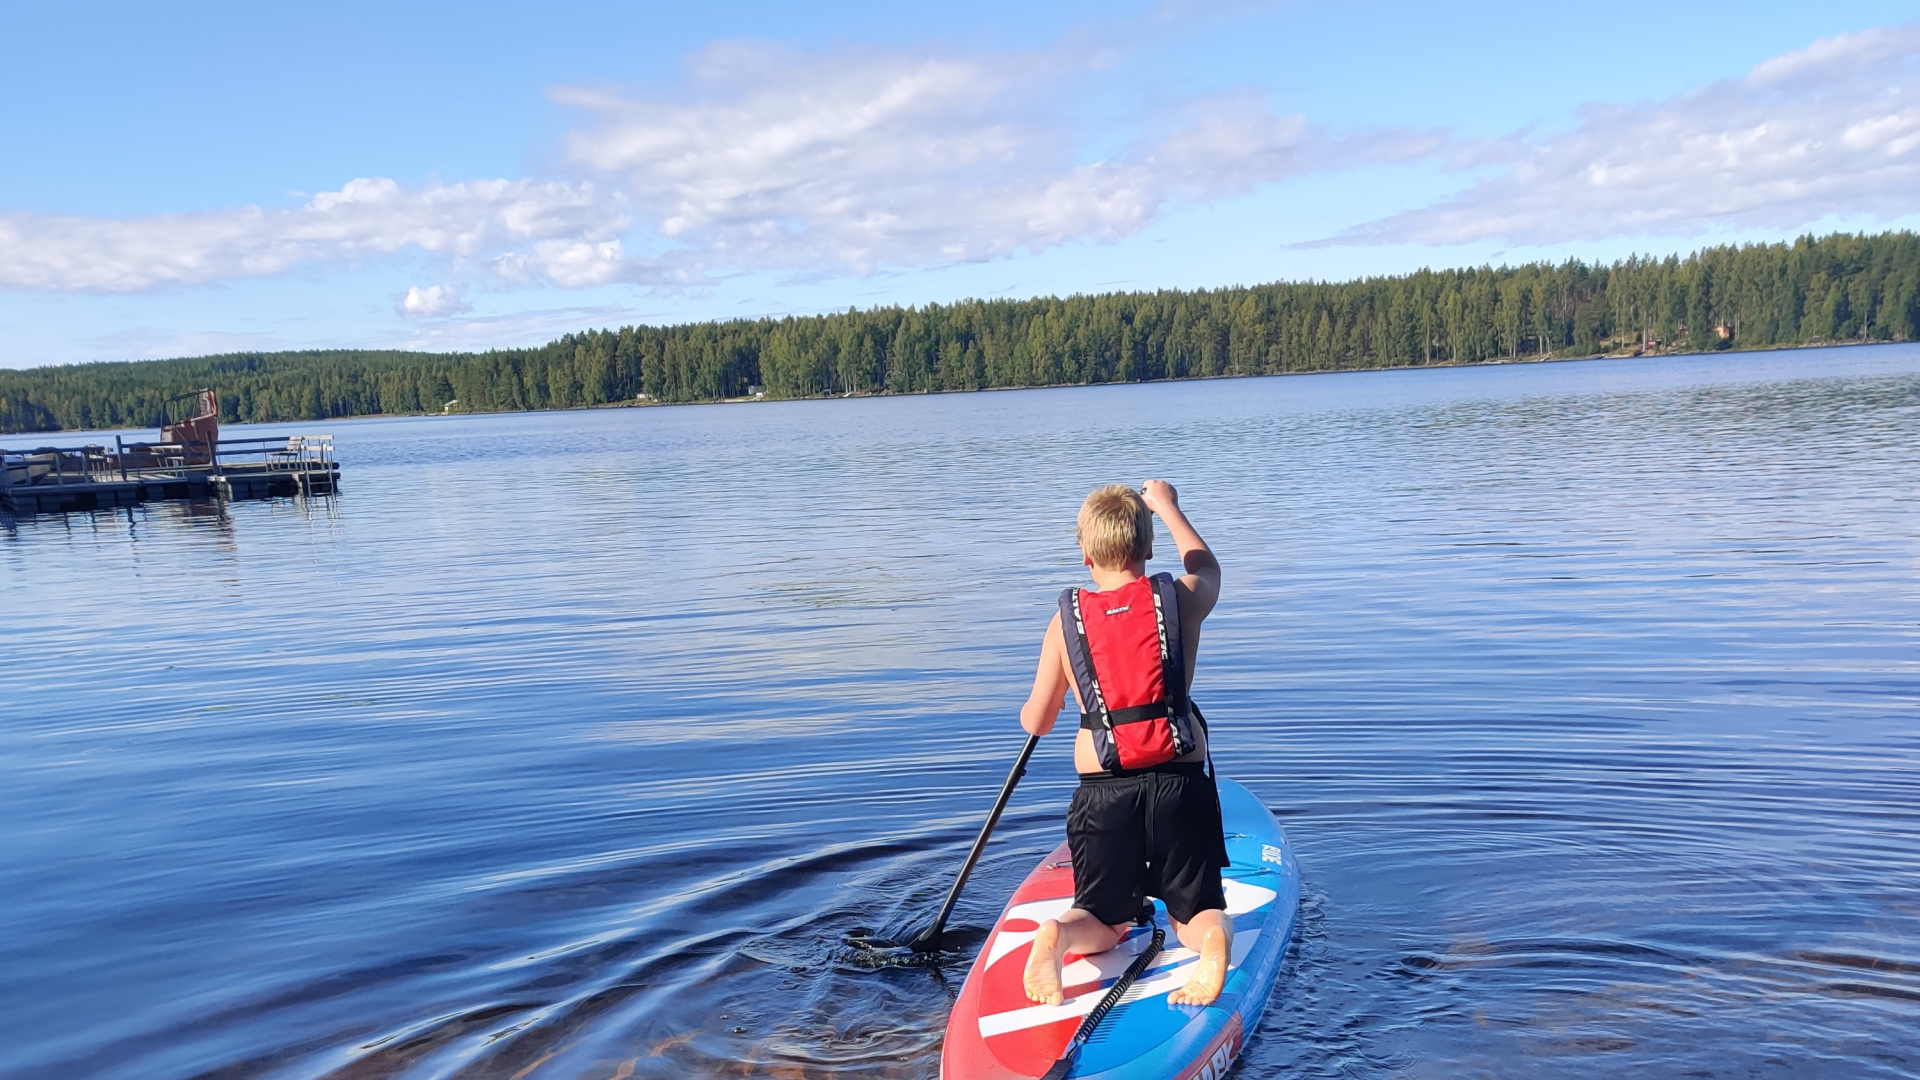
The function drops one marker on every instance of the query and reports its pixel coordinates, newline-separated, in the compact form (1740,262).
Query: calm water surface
(569,745)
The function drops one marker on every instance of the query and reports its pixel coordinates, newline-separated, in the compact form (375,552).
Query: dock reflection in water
(1585,692)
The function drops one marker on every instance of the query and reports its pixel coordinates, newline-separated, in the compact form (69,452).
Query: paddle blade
(926,939)
(865,939)
(868,951)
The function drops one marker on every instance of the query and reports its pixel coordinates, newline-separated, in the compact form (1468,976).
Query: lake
(571,744)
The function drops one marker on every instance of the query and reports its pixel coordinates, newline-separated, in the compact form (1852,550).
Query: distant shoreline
(866,395)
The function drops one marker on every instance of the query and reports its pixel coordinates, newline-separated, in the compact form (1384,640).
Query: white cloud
(1832,129)
(432,302)
(771,158)
(570,264)
(509,329)
(365,218)
(763,158)
(153,342)
(766,158)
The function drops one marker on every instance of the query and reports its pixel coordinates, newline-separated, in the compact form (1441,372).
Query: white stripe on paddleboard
(1241,899)
(1037,911)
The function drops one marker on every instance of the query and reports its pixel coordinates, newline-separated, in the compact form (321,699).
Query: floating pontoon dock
(191,461)
(52,479)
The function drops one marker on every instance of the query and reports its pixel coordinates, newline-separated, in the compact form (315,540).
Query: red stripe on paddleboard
(1032,1051)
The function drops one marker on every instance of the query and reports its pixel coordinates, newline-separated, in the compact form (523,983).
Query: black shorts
(1154,833)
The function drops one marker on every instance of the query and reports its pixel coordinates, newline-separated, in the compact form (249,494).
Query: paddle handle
(930,937)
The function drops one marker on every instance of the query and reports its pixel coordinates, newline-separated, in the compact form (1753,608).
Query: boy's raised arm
(1203,570)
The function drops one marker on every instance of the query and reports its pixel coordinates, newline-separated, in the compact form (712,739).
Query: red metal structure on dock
(199,433)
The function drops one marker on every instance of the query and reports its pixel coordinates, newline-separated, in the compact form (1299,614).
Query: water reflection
(204,517)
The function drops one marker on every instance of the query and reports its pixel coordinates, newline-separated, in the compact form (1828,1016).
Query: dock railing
(291,454)
(58,466)
(124,462)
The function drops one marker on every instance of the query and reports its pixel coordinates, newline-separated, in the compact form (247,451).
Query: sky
(198,178)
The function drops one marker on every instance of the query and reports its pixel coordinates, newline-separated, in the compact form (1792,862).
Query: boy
(1145,820)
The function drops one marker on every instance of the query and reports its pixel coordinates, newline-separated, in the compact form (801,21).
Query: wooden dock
(55,480)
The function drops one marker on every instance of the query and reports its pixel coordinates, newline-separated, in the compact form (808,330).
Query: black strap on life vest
(1173,645)
(1094,713)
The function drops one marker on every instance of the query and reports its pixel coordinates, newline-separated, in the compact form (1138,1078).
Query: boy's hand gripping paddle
(1105,1005)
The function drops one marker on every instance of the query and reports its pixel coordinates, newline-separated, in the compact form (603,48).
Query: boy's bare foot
(1043,966)
(1203,986)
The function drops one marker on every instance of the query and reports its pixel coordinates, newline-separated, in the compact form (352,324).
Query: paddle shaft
(930,937)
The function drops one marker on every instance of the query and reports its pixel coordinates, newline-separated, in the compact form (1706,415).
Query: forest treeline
(1836,288)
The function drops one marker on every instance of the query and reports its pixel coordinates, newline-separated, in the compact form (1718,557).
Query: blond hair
(1116,528)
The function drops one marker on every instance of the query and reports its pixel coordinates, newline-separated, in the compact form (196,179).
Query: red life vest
(1129,665)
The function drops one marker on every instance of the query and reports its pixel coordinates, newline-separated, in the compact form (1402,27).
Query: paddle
(928,940)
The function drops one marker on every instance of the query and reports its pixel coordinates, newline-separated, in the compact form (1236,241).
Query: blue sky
(215,177)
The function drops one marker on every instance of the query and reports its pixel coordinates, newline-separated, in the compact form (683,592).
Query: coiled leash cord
(1105,1005)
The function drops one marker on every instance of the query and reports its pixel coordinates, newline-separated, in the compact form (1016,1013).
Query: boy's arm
(1049,683)
(1202,578)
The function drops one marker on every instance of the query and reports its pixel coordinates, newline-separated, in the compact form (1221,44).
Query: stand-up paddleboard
(995,1033)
